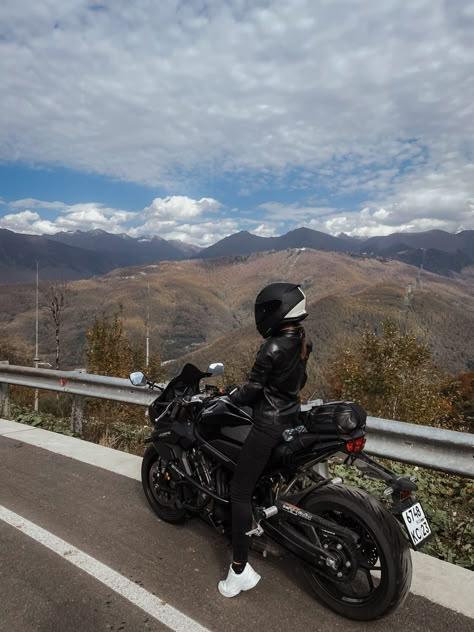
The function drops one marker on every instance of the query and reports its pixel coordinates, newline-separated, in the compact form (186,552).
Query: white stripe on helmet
(298,310)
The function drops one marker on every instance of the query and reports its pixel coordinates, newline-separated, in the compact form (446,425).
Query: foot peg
(262,513)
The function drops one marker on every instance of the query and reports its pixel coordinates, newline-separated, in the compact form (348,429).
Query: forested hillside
(207,305)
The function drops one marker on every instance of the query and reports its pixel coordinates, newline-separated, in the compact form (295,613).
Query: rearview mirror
(137,378)
(216,368)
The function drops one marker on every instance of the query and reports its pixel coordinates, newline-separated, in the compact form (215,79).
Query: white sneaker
(234,583)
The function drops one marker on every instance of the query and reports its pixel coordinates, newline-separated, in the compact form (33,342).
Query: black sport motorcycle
(355,552)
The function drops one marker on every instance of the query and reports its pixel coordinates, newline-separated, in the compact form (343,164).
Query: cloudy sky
(193,119)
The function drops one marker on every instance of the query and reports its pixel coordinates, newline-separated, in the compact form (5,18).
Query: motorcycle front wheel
(381,580)
(160,489)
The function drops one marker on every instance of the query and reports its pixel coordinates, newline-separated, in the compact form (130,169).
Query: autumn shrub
(58,404)
(110,352)
(394,376)
(15,351)
(465,401)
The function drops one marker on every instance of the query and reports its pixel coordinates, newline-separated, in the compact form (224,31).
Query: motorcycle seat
(282,453)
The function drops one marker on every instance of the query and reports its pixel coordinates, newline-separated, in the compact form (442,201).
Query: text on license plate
(416,523)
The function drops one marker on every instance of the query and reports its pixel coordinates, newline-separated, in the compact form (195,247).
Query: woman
(273,390)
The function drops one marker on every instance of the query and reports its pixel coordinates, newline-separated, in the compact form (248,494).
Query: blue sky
(193,120)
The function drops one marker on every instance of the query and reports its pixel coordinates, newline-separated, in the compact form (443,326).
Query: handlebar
(153,385)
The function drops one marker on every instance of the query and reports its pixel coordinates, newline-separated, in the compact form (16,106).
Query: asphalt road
(106,516)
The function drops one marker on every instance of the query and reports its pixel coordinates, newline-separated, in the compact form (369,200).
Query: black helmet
(278,303)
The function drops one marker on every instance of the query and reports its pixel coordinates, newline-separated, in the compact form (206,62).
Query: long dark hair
(304,346)
(298,327)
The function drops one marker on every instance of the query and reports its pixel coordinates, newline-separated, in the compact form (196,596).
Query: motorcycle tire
(383,551)
(159,497)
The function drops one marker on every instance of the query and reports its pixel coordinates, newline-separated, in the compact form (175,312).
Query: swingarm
(327,546)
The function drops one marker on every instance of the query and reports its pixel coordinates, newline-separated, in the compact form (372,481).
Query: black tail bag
(344,419)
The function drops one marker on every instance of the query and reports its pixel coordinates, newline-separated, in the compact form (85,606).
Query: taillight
(404,495)
(355,445)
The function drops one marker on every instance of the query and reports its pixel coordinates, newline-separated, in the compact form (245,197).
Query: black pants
(252,460)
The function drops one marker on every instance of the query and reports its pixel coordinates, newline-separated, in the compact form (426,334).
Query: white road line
(138,596)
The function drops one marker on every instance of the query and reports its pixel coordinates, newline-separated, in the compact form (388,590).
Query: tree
(108,349)
(110,352)
(465,404)
(394,376)
(15,351)
(56,296)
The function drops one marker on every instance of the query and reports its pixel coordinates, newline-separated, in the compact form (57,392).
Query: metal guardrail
(443,450)
(435,448)
(76,383)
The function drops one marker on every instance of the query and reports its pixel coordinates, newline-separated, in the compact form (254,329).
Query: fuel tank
(224,426)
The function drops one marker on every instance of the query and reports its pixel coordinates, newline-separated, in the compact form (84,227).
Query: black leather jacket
(278,375)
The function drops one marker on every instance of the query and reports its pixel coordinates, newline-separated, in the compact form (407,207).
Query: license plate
(416,524)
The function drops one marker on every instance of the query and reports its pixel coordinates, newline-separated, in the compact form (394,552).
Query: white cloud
(294,212)
(27,222)
(203,233)
(177,217)
(368,98)
(181,217)
(167,92)
(74,217)
(180,207)
(265,230)
(422,200)
(34,203)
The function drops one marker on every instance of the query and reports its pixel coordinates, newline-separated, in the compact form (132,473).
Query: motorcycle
(354,550)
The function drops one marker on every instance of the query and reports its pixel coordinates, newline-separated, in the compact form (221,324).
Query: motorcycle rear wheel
(161,496)
(385,565)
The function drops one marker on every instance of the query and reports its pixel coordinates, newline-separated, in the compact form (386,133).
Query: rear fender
(299,496)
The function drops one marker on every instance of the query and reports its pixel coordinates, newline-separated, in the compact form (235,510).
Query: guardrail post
(77,414)
(4,396)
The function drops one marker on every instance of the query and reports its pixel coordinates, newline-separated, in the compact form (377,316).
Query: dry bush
(394,376)
(15,351)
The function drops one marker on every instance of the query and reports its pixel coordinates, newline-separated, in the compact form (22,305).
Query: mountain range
(85,254)
(80,254)
(436,250)
(244,243)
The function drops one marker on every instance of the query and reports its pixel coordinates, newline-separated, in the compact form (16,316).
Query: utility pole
(147,347)
(420,270)
(36,358)
(408,301)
